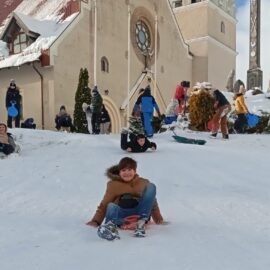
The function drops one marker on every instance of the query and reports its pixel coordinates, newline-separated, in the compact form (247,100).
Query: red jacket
(179,93)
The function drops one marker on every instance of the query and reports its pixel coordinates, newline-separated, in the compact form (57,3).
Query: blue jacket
(147,102)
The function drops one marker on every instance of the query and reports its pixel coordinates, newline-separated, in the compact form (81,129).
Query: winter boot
(140,228)
(108,231)
(225,136)
(213,135)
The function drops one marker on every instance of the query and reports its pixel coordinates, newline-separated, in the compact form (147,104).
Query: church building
(124,44)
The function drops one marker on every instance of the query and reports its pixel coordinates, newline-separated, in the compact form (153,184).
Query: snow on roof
(39,16)
(48,30)
(40,10)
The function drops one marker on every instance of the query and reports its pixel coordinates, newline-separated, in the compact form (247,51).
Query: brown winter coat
(116,187)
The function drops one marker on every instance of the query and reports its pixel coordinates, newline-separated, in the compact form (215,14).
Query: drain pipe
(42,94)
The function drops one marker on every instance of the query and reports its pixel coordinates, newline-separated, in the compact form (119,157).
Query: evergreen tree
(136,125)
(83,95)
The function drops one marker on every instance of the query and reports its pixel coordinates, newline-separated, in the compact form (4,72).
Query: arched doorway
(113,113)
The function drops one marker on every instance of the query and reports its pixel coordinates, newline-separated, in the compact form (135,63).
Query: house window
(20,43)
(104,64)
(222,27)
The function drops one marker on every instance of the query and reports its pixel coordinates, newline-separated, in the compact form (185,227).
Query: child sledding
(7,143)
(136,143)
(127,194)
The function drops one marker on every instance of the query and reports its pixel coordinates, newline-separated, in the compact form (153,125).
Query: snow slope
(216,197)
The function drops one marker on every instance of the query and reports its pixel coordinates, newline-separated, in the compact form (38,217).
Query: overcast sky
(242,63)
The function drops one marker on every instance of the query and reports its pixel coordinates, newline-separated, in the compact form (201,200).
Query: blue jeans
(117,215)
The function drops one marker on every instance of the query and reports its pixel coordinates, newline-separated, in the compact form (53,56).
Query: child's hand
(92,223)
(129,149)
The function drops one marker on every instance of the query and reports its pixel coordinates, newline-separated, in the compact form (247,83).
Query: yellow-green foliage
(201,110)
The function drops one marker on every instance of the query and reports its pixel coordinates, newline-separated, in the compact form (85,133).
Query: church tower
(254,74)
(209,28)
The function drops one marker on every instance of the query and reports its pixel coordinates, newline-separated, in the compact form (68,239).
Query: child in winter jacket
(7,144)
(127,194)
(63,120)
(147,103)
(241,110)
(137,144)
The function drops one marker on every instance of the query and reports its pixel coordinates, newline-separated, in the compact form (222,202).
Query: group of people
(223,107)
(127,193)
(14,108)
(96,114)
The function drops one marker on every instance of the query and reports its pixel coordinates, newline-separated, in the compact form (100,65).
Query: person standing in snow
(222,108)
(63,120)
(105,121)
(127,194)
(241,110)
(13,100)
(147,103)
(181,95)
(96,107)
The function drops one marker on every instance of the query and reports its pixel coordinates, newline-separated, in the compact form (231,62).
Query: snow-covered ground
(216,197)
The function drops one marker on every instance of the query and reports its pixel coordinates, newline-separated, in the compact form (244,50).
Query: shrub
(201,110)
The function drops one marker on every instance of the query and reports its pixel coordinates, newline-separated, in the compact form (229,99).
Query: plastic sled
(186,140)
(12,111)
(130,223)
(252,120)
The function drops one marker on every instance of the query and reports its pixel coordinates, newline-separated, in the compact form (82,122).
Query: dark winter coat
(116,188)
(104,118)
(13,97)
(147,102)
(63,120)
(96,102)
(133,144)
(220,99)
